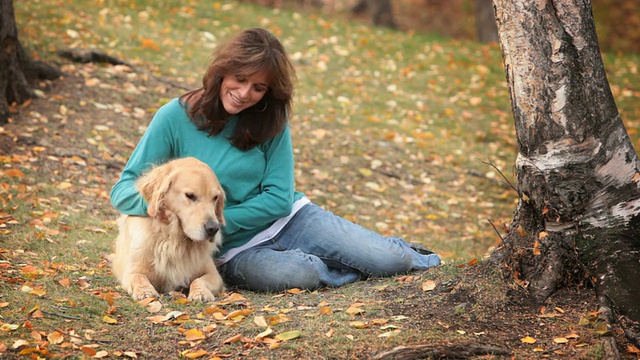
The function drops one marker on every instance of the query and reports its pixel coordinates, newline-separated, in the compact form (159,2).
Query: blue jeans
(317,248)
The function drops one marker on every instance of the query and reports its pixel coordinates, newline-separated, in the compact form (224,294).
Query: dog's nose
(211,228)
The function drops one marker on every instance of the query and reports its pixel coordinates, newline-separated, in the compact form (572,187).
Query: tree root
(460,351)
(84,56)
(633,337)
(608,342)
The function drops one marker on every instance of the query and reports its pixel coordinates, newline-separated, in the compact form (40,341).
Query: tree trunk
(486,30)
(577,172)
(381,11)
(17,69)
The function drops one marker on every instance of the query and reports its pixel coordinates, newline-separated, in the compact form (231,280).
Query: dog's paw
(202,295)
(144,293)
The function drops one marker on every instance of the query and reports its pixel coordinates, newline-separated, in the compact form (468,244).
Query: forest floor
(59,157)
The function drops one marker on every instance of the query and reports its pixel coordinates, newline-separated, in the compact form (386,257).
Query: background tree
(577,171)
(17,68)
(381,12)
(486,30)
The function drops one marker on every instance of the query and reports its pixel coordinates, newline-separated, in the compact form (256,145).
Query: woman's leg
(318,248)
(345,245)
(267,267)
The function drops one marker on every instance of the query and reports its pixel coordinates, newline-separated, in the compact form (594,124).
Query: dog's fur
(172,248)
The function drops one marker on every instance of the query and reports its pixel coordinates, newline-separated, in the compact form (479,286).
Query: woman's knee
(298,270)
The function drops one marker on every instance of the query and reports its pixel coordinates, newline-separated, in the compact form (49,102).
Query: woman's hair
(247,53)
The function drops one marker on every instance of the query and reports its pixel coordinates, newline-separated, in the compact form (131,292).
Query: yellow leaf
(19,343)
(325,310)
(353,311)
(38,292)
(195,335)
(101,354)
(289,335)
(528,340)
(428,285)
(64,185)
(260,321)
(264,333)
(358,324)
(390,333)
(9,327)
(449,112)
(239,313)
(154,306)
(560,340)
(109,320)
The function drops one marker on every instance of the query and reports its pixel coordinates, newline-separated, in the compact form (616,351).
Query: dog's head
(186,190)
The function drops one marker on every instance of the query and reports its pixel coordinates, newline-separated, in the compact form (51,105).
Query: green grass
(390,130)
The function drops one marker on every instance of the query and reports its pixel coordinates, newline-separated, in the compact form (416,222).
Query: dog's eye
(191,196)
(215,198)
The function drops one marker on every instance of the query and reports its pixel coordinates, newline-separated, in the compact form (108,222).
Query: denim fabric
(317,248)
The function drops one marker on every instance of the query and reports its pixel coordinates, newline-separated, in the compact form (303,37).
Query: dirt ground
(57,128)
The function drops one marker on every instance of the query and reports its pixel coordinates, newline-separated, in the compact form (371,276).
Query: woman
(274,237)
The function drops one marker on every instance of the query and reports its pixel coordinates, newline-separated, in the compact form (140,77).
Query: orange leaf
(428,285)
(233,339)
(528,340)
(196,354)
(235,297)
(150,44)
(55,337)
(632,349)
(14,173)
(536,248)
(243,312)
(88,350)
(64,282)
(195,335)
(326,310)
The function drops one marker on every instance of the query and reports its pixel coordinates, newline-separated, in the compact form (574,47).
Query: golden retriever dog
(173,247)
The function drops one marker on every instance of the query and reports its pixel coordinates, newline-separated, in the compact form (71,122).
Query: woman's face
(239,92)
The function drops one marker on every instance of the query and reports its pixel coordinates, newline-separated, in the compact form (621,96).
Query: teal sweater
(258,183)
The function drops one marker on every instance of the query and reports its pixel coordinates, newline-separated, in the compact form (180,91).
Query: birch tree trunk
(578,175)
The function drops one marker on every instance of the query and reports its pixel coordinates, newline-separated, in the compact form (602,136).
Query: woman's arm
(277,188)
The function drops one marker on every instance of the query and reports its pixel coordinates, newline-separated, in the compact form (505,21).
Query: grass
(391,130)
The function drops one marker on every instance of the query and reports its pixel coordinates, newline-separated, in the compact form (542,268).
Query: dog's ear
(220,207)
(153,186)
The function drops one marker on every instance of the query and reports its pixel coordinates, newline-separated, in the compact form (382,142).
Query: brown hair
(247,53)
